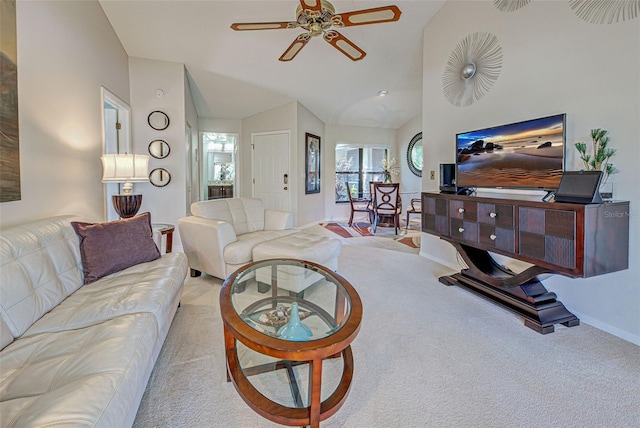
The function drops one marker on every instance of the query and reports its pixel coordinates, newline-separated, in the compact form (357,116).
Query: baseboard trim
(622,334)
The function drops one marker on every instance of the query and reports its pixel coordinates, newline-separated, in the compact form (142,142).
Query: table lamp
(127,169)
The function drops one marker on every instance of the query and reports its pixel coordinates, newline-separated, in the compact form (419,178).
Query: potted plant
(599,157)
(389,167)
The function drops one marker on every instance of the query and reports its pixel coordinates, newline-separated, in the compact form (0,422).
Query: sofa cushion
(87,377)
(245,214)
(5,334)
(147,287)
(113,246)
(40,266)
(302,246)
(240,252)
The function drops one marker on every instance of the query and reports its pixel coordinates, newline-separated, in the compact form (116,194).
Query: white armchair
(220,235)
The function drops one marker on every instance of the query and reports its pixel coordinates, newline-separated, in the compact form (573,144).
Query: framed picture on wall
(312,164)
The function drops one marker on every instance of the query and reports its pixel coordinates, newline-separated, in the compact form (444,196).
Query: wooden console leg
(521,293)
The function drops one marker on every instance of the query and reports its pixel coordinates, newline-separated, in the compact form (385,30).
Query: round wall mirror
(159,149)
(414,154)
(159,177)
(158,120)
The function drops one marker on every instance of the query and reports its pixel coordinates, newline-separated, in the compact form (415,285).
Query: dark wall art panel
(9,138)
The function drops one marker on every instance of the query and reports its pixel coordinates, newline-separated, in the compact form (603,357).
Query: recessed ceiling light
(383,93)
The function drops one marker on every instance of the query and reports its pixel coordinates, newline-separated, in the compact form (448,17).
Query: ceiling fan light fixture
(315,29)
(317,17)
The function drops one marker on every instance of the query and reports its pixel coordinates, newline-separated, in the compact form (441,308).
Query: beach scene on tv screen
(525,154)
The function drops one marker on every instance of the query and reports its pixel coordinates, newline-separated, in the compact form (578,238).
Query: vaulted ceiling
(235,74)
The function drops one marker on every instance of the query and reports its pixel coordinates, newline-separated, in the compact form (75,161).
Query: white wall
(335,134)
(311,207)
(66,51)
(166,204)
(553,63)
(230,126)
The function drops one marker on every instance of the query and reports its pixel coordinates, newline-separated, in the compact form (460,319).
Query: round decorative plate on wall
(159,177)
(159,149)
(158,120)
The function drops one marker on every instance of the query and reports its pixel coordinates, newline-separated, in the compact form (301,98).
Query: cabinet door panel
(500,215)
(531,245)
(532,220)
(498,237)
(505,216)
(560,251)
(559,223)
(464,209)
(434,217)
(548,235)
(465,230)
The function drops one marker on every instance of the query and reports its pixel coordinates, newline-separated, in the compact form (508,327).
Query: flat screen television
(522,155)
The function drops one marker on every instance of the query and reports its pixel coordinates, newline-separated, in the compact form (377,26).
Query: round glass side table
(288,352)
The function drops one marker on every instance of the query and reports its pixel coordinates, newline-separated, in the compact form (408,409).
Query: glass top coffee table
(281,341)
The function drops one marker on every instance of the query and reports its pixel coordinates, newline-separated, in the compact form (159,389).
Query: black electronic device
(448,177)
(580,187)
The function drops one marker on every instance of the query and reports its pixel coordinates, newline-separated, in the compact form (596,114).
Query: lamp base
(126,205)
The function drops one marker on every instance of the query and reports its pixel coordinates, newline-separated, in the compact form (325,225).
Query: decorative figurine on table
(294,330)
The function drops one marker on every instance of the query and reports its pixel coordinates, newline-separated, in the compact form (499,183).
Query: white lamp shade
(125,168)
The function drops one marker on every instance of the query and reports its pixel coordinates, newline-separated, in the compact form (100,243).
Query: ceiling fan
(318,17)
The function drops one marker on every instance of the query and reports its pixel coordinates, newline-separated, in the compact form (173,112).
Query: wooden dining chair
(415,207)
(358,205)
(386,203)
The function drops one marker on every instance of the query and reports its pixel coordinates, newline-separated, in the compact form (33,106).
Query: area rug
(410,238)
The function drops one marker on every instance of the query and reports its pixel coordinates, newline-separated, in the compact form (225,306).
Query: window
(356,167)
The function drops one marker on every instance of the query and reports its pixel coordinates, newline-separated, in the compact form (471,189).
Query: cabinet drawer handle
(460,210)
(493,237)
(461,229)
(493,215)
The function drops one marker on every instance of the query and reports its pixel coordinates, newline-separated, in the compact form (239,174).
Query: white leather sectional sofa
(76,354)
(221,234)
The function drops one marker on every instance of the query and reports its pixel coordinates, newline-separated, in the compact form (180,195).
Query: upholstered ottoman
(302,246)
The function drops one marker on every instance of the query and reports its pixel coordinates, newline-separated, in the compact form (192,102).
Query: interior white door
(271,169)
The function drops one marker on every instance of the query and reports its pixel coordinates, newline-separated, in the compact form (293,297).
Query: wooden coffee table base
(306,416)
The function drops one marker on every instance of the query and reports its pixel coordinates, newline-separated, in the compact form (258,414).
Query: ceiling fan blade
(295,47)
(367,16)
(245,26)
(344,45)
(312,5)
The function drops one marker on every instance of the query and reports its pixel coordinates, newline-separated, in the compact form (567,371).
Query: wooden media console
(574,240)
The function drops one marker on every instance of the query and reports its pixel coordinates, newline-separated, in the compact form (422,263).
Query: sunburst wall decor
(510,5)
(473,67)
(605,11)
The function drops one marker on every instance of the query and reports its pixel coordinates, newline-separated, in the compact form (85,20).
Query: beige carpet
(427,356)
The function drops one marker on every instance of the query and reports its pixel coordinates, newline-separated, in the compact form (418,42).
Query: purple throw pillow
(110,247)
